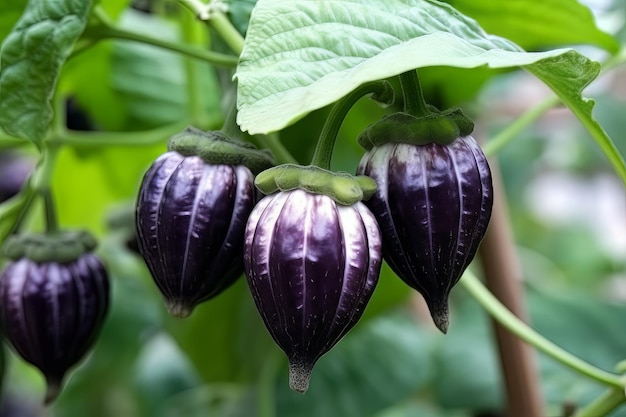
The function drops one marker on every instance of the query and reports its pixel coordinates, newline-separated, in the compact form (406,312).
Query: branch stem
(93,140)
(103,31)
(516,127)
(604,404)
(516,326)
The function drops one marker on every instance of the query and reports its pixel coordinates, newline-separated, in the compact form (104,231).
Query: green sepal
(61,247)
(216,148)
(344,188)
(438,127)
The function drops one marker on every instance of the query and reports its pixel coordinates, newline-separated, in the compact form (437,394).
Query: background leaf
(10,12)
(129,86)
(467,374)
(538,25)
(567,76)
(31,58)
(350,43)
(357,379)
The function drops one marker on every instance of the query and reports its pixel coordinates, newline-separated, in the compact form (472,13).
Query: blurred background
(566,205)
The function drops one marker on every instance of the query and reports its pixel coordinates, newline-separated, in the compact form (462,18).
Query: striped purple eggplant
(312,266)
(190,219)
(433,205)
(52,311)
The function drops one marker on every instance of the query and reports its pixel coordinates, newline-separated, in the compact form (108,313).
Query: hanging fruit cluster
(310,241)
(312,248)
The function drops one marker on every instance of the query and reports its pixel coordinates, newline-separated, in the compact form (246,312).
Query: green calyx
(61,247)
(438,127)
(342,187)
(215,147)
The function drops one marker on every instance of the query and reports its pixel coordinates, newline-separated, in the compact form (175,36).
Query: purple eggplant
(191,219)
(312,266)
(433,205)
(51,312)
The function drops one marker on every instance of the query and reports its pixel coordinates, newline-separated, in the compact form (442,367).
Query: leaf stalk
(381,91)
(414,103)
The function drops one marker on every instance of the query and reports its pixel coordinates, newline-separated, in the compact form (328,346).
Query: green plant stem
(522,122)
(192,36)
(230,126)
(59,121)
(414,103)
(227,32)
(272,142)
(211,13)
(508,320)
(52,226)
(326,141)
(106,30)
(200,9)
(41,180)
(604,404)
(93,140)
(20,203)
(42,177)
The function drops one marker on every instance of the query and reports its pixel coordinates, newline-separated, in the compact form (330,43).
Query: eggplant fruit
(190,219)
(433,205)
(312,266)
(51,312)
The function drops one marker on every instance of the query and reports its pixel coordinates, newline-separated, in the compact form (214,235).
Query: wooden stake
(503,278)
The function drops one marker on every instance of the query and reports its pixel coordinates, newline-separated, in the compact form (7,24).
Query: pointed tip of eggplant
(441,316)
(53,389)
(442,322)
(299,376)
(178,309)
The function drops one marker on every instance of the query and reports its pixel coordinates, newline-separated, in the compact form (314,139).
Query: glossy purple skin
(312,266)
(52,312)
(433,205)
(191,219)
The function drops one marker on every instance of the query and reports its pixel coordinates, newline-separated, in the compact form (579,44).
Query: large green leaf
(535,24)
(304,54)
(31,58)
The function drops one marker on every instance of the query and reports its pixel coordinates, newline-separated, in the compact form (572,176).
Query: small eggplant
(52,311)
(433,205)
(312,266)
(190,219)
